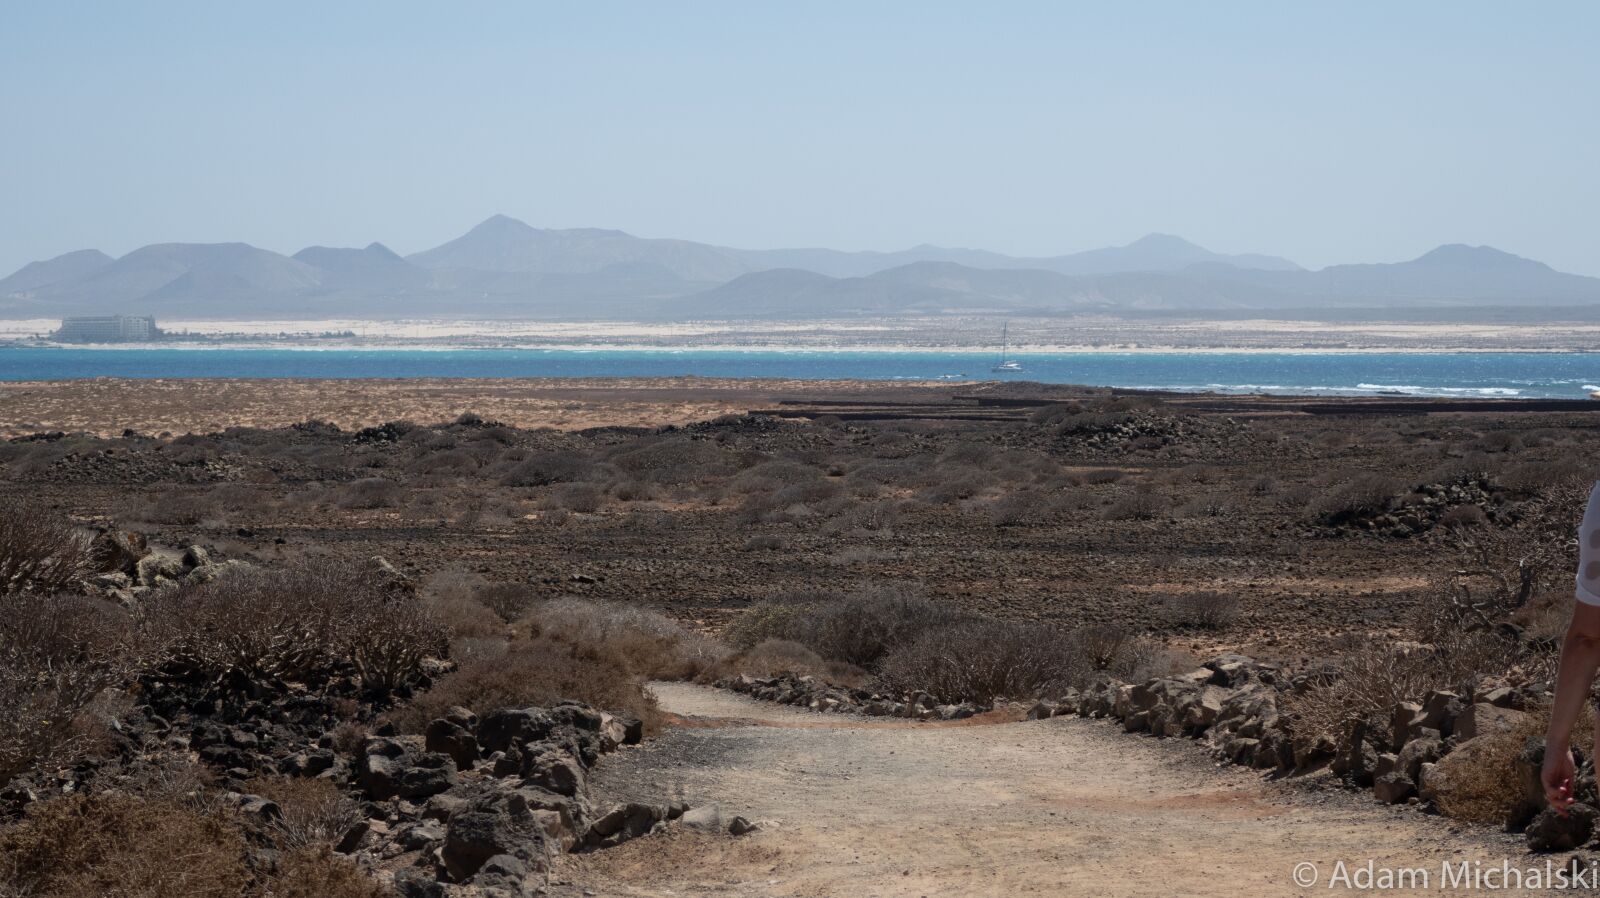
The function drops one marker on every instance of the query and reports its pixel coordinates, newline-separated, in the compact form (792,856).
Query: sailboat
(1006,366)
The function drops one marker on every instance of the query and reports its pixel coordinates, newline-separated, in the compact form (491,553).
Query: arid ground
(1304,533)
(1032,502)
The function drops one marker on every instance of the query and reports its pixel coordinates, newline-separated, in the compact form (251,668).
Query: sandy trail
(1057,807)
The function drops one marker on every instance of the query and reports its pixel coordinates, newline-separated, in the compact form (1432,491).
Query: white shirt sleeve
(1589,551)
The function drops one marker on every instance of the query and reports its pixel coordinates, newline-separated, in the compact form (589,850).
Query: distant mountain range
(504,268)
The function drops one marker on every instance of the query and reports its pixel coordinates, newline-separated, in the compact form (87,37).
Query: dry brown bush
(1486,787)
(1203,610)
(675,459)
(370,493)
(40,551)
(1463,516)
(1367,494)
(1140,505)
(293,622)
(58,654)
(1376,676)
(774,620)
(546,468)
(862,628)
(316,872)
(348,737)
(511,601)
(979,661)
(534,671)
(585,498)
(775,657)
(119,844)
(315,811)
(654,646)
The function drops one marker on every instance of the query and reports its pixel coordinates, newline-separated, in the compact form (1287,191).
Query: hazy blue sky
(1347,132)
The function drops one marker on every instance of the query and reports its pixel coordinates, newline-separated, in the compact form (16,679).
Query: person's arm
(1580,658)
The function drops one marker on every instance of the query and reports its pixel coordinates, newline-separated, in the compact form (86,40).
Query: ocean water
(1465,374)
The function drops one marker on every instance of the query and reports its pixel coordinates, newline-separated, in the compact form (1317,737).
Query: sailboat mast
(1005,331)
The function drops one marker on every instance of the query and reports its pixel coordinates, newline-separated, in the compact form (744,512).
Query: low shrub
(115,843)
(653,645)
(511,601)
(979,661)
(302,621)
(862,628)
(370,493)
(316,872)
(1463,516)
(534,671)
(1366,495)
(770,620)
(1139,505)
(776,657)
(1374,677)
(57,655)
(585,498)
(546,468)
(315,811)
(1202,610)
(40,551)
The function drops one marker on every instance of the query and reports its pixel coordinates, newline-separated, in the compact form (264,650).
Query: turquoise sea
(1474,374)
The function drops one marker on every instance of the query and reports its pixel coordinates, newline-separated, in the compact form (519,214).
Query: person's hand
(1557,777)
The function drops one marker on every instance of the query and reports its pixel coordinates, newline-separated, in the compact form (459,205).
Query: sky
(1327,133)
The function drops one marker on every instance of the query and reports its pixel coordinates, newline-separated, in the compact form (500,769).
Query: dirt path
(849,807)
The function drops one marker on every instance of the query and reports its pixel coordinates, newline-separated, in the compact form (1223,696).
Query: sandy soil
(1063,807)
(106,406)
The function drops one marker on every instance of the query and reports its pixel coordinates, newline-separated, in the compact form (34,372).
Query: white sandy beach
(1032,336)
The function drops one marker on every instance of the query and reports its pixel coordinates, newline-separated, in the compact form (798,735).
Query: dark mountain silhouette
(375,268)
(506,244)
(1154,252)
(504,268)
(34,275)
(185,278)
(1452,274)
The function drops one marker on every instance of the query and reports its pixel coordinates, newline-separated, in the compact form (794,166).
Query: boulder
(1042,710)
(1551,830)
(388,769)
(706,818)
(1483,718)
(493,824)
(504,876)
(554,771)
(1439,711)
(628,821)
(195,556)
(157,570)
(449,737)
(1400,723)
(618,730)
(118,552)
(1417,752)
(513,727)
(1393,788)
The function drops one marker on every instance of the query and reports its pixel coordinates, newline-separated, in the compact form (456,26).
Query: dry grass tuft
(120,844)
